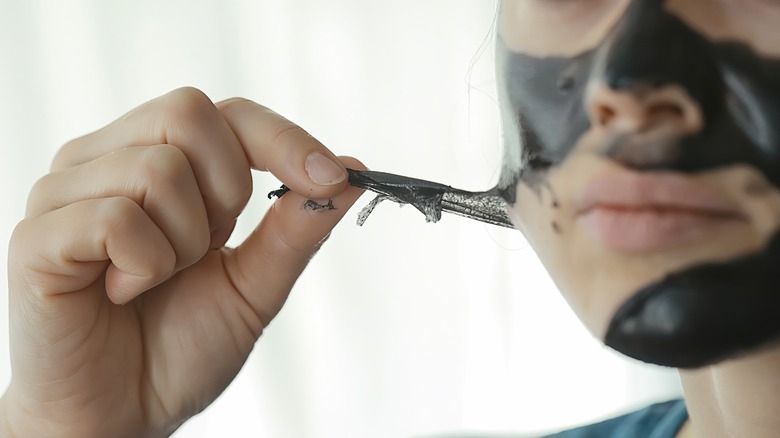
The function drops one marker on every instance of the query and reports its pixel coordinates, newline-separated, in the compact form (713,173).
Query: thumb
(265,267)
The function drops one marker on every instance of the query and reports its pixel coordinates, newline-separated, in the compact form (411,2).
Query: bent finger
(275,144)
(158,178)
(188,119)
(66,250)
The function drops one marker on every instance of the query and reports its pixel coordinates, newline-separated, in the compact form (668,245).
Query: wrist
(6,430)
(17,421)
(14,421)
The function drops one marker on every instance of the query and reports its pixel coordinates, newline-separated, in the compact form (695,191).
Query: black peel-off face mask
(698,315)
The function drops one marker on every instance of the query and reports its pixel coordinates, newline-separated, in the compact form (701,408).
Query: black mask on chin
(707,313)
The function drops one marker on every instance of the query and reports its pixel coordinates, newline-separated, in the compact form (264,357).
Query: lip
(650,211)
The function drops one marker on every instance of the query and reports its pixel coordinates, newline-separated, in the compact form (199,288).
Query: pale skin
(128,313)
(735,398)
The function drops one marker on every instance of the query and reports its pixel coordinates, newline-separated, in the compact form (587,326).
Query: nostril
(673,104)
(643,109)
(667,109)
(604,115)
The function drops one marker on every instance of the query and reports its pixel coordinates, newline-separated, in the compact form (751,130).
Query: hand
(128,314)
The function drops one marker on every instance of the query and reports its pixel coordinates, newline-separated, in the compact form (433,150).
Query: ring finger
(158,178)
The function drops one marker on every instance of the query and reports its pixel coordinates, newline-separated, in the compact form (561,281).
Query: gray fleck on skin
(315,206)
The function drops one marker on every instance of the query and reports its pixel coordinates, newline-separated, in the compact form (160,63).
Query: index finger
(221,142)
(275,144)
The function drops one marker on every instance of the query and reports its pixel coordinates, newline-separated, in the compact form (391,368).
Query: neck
(740,397)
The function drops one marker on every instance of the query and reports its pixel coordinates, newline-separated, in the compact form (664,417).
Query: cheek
(546,222)
(557,27)
(753,22)
(594,280)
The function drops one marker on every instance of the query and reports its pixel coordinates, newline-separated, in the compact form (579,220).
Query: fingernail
(323,171)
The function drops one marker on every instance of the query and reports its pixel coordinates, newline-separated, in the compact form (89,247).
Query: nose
(637,109)
(652,72)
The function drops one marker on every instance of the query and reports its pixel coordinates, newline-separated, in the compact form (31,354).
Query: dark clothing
(660,420)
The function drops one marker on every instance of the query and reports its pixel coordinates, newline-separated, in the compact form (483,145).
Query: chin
(595,274)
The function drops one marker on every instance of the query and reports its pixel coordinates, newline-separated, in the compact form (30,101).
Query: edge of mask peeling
(428,197)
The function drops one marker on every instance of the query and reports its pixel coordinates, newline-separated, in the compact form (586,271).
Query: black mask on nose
(710,312)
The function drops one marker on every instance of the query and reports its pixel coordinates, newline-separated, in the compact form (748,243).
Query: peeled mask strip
(430,198)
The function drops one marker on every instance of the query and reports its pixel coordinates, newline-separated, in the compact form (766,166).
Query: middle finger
(157,178)
(188,119)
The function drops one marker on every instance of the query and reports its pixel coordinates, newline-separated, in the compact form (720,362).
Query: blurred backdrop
(398,328)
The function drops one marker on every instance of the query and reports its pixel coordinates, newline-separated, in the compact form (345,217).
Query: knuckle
(64,156)
(163,268)
(115,212)
(285,132)
(120,215)
(187,105)
(235,101)
(238,198)
(19,236)
(21,262)
(194,248)
(157,269)
(201,242)
(189,258)
(188,95)
(40,191)
(238,102)
(164,163)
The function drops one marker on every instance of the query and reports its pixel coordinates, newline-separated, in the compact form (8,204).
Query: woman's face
(642,162)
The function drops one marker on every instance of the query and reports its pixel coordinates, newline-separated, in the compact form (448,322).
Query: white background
(397,329)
